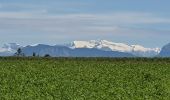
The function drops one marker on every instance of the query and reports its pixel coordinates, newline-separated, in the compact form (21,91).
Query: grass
(84,78)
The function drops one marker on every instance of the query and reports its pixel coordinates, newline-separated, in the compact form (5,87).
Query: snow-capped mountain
(64,51)
(9,49)
(11,46)
(83,48)
(105,45)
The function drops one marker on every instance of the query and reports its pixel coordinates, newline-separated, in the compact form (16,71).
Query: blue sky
(145,22)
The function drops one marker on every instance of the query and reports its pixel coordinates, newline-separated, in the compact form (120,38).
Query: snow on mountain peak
(10,47)
(143,49)
(112,46)
(13,46)
(104,45)
(83,44)
(122,47)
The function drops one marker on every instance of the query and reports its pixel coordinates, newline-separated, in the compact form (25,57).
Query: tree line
(19,53)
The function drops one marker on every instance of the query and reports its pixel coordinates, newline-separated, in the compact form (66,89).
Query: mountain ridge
(63,51)
(98,45)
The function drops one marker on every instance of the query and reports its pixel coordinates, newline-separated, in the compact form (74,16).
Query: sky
(144,22)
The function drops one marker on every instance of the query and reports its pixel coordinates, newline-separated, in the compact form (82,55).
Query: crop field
(84,78)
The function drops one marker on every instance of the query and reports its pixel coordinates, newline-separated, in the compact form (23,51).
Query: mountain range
(92,48)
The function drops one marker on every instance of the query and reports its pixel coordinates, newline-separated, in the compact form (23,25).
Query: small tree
(34,54)
(47,55)
(19,53)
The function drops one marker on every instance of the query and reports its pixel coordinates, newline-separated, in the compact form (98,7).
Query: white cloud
(75,23)
(41,24)
(123,17)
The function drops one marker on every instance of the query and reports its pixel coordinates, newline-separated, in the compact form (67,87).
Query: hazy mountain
(100,48)
(165,52)
(63,51)
(9,49)
(11,46)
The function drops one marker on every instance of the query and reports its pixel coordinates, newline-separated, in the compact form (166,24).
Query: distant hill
(63,51)
(165,52)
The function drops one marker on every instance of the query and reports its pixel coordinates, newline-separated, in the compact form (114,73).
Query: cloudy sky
(145,22)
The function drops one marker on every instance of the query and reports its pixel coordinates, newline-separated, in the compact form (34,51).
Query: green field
(84,79)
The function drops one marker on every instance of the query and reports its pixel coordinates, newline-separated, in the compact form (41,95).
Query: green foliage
(84,78)
(34,54)
(47,55)
(19,53)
